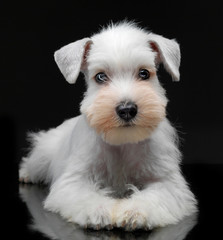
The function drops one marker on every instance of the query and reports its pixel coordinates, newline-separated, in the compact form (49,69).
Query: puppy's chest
(121,168)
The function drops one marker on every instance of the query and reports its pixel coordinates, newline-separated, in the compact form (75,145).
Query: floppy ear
(168,53)
(71,58)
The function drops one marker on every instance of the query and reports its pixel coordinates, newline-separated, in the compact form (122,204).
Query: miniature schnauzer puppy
(117,164)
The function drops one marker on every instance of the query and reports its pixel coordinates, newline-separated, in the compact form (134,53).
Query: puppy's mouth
(128,125)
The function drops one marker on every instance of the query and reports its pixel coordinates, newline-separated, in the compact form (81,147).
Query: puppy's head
(124,101)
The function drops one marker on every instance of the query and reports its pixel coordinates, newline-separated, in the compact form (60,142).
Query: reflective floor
(27,219)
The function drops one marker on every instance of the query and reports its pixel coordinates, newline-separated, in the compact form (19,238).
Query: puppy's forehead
(121,47)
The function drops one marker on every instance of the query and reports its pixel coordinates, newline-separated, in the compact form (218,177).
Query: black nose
(126,110)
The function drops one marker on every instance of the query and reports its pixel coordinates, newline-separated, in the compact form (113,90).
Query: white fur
(69,59)
(94,183)
(52,226)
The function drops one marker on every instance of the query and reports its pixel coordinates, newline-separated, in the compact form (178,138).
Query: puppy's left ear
(71,58)
(168,53)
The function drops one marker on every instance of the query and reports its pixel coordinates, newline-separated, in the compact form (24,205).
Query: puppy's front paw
(131,220)
(99,217)
(130,216)
(89,214)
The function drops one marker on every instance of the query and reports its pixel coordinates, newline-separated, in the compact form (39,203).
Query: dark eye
(144,74)
(101,77)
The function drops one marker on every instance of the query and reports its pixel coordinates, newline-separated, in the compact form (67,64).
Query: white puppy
(117,164)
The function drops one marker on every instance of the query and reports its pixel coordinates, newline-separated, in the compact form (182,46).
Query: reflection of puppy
(54,227)
(117,164)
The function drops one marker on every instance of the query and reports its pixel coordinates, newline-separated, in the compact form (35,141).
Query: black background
(34,95)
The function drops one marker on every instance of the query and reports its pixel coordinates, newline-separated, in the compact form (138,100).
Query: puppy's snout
(127,110)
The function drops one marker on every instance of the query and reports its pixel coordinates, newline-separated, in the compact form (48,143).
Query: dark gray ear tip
(176,78)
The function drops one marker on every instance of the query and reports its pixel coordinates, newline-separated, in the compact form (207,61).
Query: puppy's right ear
(71,58)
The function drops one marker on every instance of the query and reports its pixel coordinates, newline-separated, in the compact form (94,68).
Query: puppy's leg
(46,147)
(80,201)
(161,203)
(34,167)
